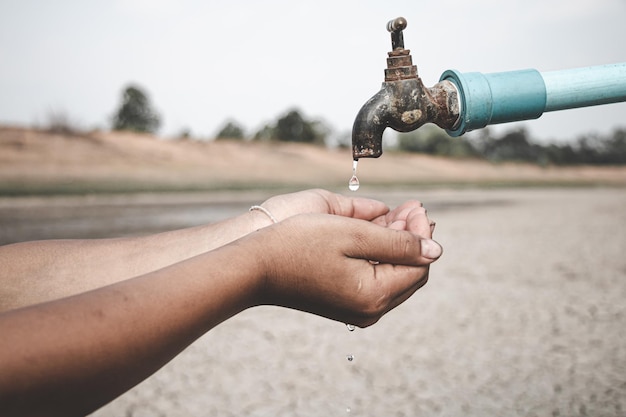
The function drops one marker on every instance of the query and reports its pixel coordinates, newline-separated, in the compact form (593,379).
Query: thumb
(398,247)
(430,249)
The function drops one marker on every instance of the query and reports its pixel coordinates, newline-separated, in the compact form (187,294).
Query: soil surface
(523,315)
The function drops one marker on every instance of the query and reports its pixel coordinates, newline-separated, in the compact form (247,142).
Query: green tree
(266,133)
(293,127)
(433,140)
(517,145)
(231,130)
(617,147)
(136,113)
(514,145)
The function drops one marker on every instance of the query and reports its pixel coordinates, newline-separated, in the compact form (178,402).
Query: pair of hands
(348,259)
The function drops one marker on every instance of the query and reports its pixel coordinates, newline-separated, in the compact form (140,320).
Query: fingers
(411,217)
(368,209)
(391,286)
(403,266)
(321,264)
(403,282)
(394,246)
(417,222)
(326,202)
(403,217)
(356,207)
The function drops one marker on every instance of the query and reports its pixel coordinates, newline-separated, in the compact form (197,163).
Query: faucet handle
(396,26)
(399,63)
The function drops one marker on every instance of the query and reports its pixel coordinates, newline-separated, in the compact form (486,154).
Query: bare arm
(70,356)
(34,272)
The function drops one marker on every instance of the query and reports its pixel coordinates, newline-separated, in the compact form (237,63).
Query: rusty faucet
(403,103)
(461,102)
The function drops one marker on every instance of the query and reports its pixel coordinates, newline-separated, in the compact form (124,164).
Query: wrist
(264,211)
(252,261)
(261,216)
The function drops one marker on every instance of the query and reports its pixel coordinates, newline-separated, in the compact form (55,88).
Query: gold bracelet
(266,211)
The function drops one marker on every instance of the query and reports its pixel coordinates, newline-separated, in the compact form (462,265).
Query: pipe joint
(487,99)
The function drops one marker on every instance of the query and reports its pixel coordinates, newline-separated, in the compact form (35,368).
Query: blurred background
(130,117)
(205,63)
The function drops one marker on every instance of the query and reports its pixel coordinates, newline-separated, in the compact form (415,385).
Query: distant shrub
(231,130)
(293,127)
(59,122)
(136,113)
(517,145)
(433,140)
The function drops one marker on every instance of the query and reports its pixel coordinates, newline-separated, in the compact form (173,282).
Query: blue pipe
(503,97)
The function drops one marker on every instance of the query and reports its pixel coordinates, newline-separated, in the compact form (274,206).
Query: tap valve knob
(399,63)
(396,26)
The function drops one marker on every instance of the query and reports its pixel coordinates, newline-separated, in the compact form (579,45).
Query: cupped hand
(410,216)
(324,202)
(322,264)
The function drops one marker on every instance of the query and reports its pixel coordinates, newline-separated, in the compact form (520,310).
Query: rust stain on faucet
(411,116)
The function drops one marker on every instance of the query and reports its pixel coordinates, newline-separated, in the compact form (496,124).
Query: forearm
(70,356)
(83,351)
(35,272)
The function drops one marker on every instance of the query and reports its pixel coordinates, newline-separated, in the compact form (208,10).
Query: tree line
(135,113)
(517,145)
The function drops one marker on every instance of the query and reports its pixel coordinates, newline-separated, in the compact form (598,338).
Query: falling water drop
(350,357)
(353,184)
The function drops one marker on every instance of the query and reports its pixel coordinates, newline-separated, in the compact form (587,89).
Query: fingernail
(431,249)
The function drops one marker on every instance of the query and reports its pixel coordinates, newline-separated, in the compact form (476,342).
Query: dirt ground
(523,315)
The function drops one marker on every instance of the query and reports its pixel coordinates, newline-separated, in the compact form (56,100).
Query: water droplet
(350,358)
(348,410)
(350,327)
(353,184)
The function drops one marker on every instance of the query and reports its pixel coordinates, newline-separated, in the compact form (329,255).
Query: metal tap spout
(403,103)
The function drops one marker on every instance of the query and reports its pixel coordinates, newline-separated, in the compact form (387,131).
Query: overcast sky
(203,62)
